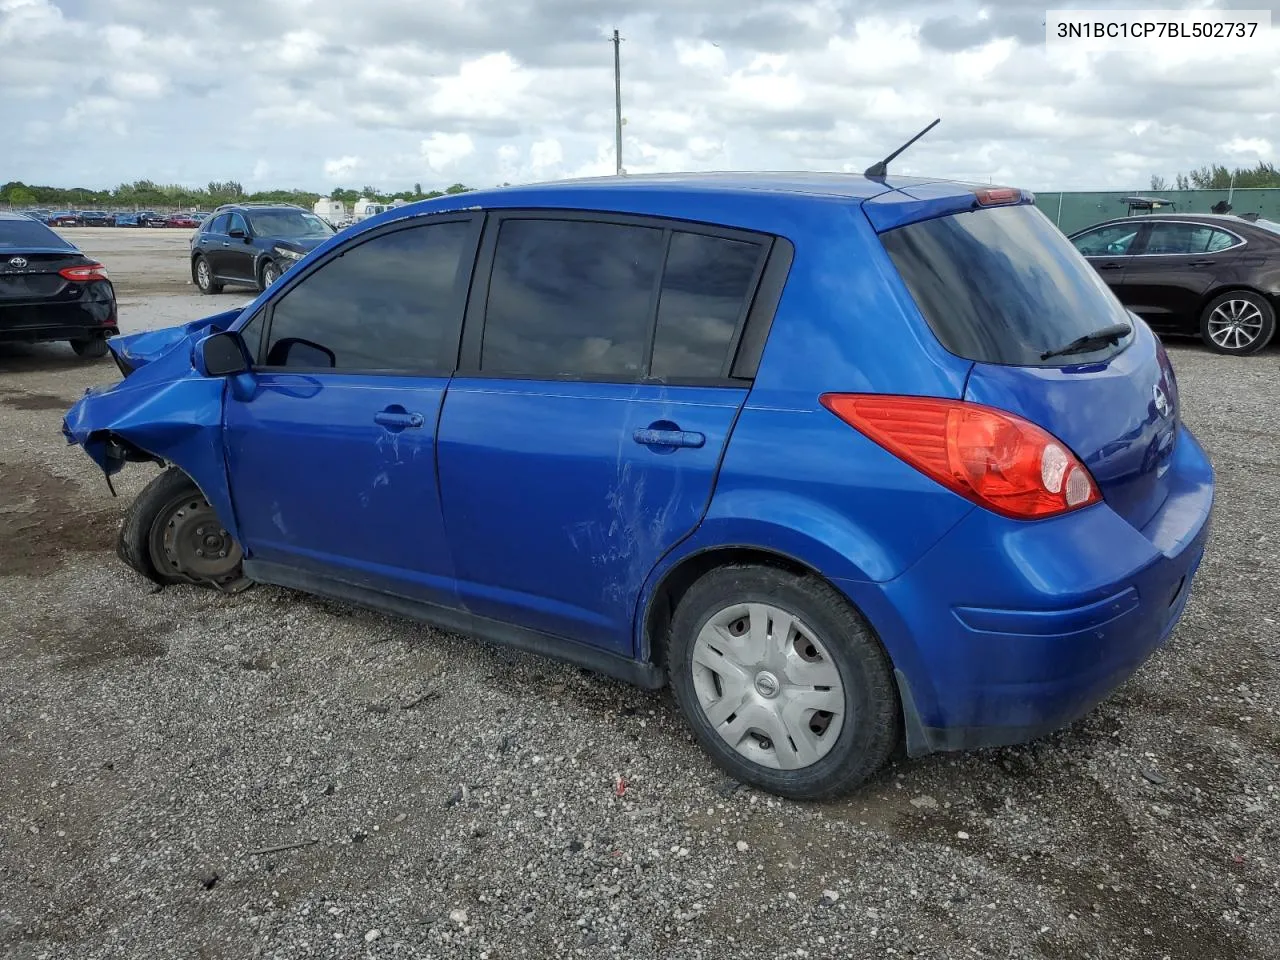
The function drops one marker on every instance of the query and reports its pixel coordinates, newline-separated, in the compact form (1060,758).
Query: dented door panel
(559,497)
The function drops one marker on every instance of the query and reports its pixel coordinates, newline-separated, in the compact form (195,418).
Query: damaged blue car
(849,462)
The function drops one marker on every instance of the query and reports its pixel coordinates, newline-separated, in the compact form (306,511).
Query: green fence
(1071,211)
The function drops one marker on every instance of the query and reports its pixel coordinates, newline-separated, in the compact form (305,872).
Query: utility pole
(617,100)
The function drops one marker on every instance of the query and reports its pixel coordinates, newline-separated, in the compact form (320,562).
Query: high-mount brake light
(83,274)
(997,196)
(989,456)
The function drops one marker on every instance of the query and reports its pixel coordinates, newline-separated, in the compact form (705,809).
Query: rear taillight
(997,196)
(997,460)
(90,271)
(1170,380)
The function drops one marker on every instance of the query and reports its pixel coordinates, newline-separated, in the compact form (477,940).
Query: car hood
(136,350)
(300,244)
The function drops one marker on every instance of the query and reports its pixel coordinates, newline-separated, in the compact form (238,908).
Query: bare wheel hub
(192,543)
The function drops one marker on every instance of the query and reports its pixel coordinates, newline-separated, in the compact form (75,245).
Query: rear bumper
(30,323)
(1007,631)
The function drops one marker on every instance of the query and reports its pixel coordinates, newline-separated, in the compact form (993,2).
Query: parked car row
(102,218)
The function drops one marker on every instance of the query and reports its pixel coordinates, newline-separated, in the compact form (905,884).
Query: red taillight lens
(997,460)
(90,271)
(1170,380)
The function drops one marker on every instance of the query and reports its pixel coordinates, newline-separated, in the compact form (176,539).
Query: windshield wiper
(1091,341)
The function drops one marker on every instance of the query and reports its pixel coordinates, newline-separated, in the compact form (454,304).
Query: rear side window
(389,304)
(1002,285)
(1175,238)
(706,289)
(571,297)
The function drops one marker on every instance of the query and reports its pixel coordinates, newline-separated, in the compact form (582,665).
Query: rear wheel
(782,682)
(204,277)
(172,535)
(92,348)
(1239,322)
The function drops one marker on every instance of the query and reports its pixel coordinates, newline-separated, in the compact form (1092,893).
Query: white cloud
(342,167)
(444,150)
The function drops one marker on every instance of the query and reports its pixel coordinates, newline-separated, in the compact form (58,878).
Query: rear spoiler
(926,201)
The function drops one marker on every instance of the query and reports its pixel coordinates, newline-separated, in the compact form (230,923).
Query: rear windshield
(28,233)
(1003,285)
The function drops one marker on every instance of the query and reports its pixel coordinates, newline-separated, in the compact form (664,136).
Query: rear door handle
(1202,263)
(398,419)
(669,438)
(1111,266)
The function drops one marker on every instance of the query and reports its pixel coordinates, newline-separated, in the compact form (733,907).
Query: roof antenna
(878,171)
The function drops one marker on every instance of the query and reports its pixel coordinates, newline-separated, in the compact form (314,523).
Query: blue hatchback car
(848,462)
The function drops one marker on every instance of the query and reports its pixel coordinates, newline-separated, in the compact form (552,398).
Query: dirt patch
(95,638)
(43,518)
(18,400)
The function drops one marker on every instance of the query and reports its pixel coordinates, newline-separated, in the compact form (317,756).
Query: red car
(182,220)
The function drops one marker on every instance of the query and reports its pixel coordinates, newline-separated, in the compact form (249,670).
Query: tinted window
(218,224)
(1174,238)
(571,297)
(238,223)
(705,288)
(28,233)
(390,303)
(1002,285)
(1113,241)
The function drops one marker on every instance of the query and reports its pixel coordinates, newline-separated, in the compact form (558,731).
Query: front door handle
(1111,266)
(398,419)
(650,437)
(1202,263)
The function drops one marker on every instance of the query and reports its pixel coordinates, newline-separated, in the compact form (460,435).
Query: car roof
(1225,219)
(767,202)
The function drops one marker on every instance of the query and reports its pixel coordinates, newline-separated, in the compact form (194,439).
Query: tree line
(142,194)
(1218,177)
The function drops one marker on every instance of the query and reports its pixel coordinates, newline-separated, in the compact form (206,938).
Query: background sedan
(1207,275)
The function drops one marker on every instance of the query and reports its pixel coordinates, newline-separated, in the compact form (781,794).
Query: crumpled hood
(136,350)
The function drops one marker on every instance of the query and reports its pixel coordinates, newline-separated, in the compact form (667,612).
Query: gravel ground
(192,775)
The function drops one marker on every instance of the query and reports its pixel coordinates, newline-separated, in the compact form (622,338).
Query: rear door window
(1002,285)
(571,298)
(1171,238)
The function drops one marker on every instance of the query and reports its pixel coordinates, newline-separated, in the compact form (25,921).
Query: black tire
(202,273)
(1252,335)
(872,725)
(142,532)
(269,274)
(93,348)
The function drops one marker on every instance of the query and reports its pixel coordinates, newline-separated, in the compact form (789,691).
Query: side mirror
(222,355)
(296,352)
(238,234)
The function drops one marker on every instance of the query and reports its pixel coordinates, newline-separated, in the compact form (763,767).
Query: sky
(317,94)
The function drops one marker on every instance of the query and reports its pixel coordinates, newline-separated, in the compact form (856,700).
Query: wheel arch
(1234,286)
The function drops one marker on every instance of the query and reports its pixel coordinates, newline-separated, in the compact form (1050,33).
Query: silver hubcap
(269,276)
(202,273)
(768,686)
(1235,324)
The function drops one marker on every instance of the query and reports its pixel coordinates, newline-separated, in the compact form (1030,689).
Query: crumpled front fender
(136,350)
(165,411)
